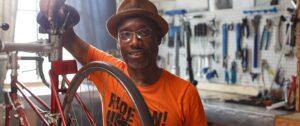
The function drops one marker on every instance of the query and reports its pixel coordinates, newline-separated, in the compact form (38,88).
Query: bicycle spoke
(114,94)
(75,116)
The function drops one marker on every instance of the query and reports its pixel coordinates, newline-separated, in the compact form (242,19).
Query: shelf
(233,89)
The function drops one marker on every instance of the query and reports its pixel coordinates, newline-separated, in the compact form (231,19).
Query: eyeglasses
(142,33)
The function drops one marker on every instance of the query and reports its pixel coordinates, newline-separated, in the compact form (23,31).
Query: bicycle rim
(79,82)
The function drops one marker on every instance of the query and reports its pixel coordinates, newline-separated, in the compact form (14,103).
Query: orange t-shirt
(171,100)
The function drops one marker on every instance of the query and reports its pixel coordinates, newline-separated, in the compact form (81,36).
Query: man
(139,29)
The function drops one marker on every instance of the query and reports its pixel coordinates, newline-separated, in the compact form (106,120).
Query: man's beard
(138,64)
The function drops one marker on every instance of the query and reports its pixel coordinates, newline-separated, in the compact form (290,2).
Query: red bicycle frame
(58,68)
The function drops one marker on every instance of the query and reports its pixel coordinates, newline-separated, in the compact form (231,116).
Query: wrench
(266,31)
(255,23)
(225,32)
(238,53)
(277,21)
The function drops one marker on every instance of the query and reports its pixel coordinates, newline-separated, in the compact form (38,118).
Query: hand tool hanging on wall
(196,32)
(245,28)
(233,71)
(174,35)
(205,55)
(265,67)
(261,11)
(225,57)
(279,76)
(289,41)
(244,59)
(266,31)
(201,32)
(200,66)
(274,2)
(204,31)
(213,27)
(210,74)
(187,37)
(176,67)
(255,23)
(175,26)
(238,53)
(177,38)
(291,33)
(277,22)
(213,30)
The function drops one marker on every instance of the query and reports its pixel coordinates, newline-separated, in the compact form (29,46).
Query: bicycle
(61,112)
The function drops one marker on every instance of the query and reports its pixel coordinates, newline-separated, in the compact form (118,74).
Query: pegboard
(200,46)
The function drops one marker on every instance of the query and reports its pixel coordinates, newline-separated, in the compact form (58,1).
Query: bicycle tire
(126,83)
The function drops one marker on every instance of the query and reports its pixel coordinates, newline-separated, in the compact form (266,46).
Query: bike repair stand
(12,102)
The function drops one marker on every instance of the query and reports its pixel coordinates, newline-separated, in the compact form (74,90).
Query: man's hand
(49,7)
(53,8)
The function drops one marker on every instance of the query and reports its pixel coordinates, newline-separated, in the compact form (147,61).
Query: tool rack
(245,87)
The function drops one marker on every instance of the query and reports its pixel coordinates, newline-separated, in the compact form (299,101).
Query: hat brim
(113,21)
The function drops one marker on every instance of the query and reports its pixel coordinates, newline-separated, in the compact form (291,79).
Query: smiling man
(139,29)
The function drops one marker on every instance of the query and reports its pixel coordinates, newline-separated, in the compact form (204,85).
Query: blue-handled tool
(210,74)
(255,50)
(268,29)
(267,41)
(255,23)
(238,53)
(227,76)
(233,72)
(175,12)
(225,32)
(262,39)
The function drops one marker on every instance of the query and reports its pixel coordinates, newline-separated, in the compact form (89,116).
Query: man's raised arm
(75,45)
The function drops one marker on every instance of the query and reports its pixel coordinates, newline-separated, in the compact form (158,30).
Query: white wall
(234,16)
(191,5)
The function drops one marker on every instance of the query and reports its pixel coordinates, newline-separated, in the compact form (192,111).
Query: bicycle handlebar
(39,61)
(25,47)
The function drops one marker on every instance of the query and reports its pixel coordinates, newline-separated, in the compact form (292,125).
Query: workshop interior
(242,55)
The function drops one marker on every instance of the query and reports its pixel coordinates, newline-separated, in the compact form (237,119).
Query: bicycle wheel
(115,111)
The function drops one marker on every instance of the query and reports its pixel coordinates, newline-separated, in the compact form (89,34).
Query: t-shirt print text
(119,113)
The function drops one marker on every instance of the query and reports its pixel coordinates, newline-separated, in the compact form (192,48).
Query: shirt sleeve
(95,54)
(194,114)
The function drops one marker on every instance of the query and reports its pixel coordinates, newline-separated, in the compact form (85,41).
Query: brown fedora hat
(129,8)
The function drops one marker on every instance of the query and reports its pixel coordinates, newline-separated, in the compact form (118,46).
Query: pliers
(267,29)
(245,27)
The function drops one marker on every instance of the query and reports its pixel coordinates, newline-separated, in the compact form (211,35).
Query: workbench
(288,120)
(231,114)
